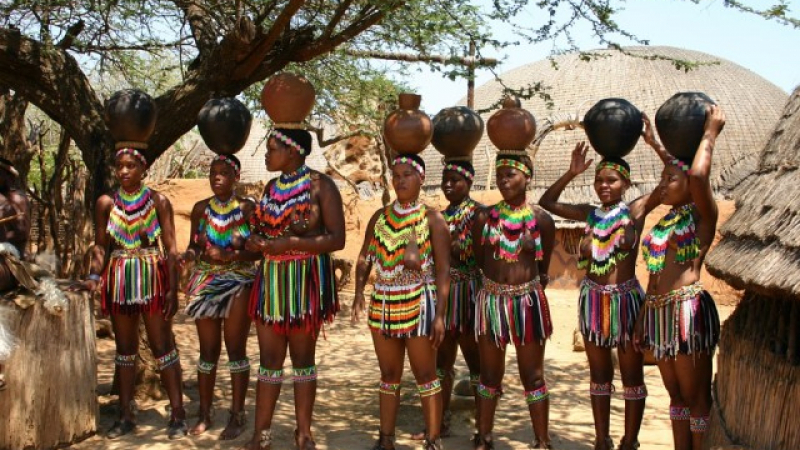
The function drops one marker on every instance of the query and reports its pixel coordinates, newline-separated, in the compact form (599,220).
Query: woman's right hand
(715,120)
(578,164)
(358,308)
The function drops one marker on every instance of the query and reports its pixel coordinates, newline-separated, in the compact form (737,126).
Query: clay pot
(130,115)
(288,98)
(224,124)
(456,131)
(512,127)
(613,126)
(407,129)
(680,121)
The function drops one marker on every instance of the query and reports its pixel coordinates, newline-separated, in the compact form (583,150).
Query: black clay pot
(613,126)
(130,115)
(224,124)
(680,121)
(456,131)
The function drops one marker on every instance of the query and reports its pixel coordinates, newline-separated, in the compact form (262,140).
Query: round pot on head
(224,124)
(407,129)
(288,98)
(512,127)
(680,122)
(456,132)
(130,115)
(613,126)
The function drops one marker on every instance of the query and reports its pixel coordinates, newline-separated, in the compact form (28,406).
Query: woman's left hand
(217,254)
(275,246)
(437,331)
(170,303)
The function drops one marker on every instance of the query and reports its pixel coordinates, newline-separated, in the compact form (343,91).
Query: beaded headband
(288,141)
(679,164)
(614,166)
(461,170)
(133,152)
(411,162)
(514,164)
(228,161)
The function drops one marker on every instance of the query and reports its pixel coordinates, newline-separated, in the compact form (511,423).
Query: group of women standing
(471,276)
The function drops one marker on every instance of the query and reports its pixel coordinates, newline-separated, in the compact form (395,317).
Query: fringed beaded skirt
(403,306)
(212,288)
(607,312)
(683,321)
(295,292)
(516,313)
(135,281)
(460,307)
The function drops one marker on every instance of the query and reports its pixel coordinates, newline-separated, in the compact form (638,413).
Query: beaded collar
(289,195)
(678,226)
(134,214)
(505,228)
(459,220)
(221,220)
(393,232)
(607,227)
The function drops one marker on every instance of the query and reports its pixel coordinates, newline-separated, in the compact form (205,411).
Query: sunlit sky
(768,48)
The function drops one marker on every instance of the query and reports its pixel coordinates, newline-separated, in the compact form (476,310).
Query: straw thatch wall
(752,105)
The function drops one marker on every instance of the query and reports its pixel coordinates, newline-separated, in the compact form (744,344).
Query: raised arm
(440,241)
(363,267)
(549,199)
(649,137)
(699,174)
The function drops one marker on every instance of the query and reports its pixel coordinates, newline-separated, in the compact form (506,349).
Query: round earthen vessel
(407,129)
(613,126)
(456,131)
(680,122)
(512,127)
(130,115)
(224,124)
(288,98)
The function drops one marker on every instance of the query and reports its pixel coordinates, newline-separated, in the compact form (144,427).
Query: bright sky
(768,48)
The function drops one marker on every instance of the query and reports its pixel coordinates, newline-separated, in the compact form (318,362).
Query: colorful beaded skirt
(212,288)
(516,313)
(295,292)
(135,281)
(607,312)
(683,321)
(460,305)
(403,306)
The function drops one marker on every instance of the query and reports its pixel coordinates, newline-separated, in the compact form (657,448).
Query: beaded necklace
(393,231)
(680,224)
(290,194)
(505,228)
(133,214)
(607,227)
(221,220)
(459,221)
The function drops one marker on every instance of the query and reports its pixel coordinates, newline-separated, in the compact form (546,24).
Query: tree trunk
(52,377)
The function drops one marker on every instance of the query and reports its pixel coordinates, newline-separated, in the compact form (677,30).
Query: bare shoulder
(160,199)
(542,216)
(105,201)
(246,203)
(200,206)
(322,181)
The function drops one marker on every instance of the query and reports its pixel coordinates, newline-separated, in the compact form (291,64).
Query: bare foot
(261,441)
(304,442)
(202,425)
(235,426)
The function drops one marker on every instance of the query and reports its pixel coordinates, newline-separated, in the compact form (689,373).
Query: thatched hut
(757,388)
(752,105)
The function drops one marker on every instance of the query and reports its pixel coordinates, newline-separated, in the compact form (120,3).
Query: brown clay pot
(512,127)
(456,131)
(224,124)
(407,129)
(130,115)
(288,98)
(680,122)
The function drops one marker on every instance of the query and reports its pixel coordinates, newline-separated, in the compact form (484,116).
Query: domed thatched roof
(766,224)
(752,105)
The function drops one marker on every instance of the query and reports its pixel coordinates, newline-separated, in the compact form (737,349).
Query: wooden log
(52,377)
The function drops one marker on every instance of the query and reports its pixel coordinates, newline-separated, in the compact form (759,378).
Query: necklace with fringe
(393,232)
(607,227)
(221,220)
(505,228)
(133,215)
(459,221)
(679,224)
(289,195)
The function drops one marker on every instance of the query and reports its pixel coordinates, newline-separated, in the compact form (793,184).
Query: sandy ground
(346,413)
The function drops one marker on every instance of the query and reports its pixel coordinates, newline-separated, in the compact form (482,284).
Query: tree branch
(337,17)
(203,30)
(441,59)
(322,46)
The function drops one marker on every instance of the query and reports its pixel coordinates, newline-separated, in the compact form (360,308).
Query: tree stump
(52,377)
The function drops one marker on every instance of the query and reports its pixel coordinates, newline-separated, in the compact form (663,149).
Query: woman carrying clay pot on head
(409,245)
(134,265)
(219,289)
(610,295)
(513,245)
(679,321)
(297,224)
